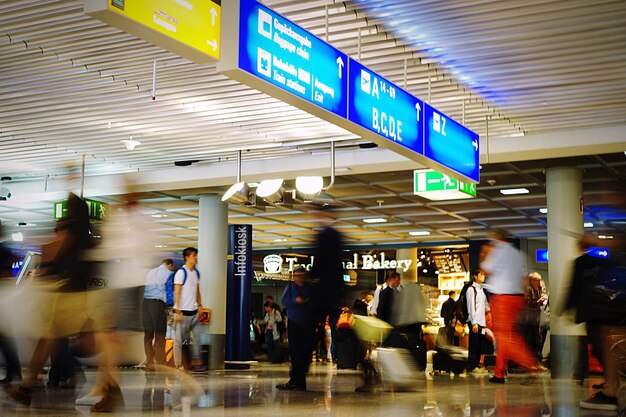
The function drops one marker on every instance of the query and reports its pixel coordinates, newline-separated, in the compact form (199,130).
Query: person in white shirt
(187,301)
(477,308)
(154,314)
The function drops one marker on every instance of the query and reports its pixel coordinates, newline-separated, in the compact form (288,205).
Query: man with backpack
(154,313)
(187,301)
(477,308)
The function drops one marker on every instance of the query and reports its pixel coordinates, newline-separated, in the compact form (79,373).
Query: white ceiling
(71,85)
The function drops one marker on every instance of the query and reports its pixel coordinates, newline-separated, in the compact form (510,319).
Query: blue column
(238,295)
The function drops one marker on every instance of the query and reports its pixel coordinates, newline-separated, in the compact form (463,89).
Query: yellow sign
(189,28)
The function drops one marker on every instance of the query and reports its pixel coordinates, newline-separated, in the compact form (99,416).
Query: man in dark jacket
(297,299)
(447,313)
(387,296)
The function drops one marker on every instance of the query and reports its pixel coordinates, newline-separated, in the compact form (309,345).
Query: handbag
(345,321)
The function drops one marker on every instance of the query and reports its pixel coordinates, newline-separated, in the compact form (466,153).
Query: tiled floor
(331,393)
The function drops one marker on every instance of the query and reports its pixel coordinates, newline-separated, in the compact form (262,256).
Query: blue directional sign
(597,252)
(541,255)
(281,53)
(450,144)
(384,108)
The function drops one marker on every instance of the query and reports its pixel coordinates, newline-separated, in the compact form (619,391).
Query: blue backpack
(169,285)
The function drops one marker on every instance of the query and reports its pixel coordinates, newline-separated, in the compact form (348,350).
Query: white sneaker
(88,400)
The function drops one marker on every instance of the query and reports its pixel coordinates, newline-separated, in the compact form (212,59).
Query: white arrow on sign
(340,65)
(419,110)
(213,44)
(475,145)
(603,253)
(213,16)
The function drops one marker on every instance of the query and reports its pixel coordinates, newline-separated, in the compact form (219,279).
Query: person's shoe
(290,387)
(495,380)
(598,386)
(599,401)
(10,378)
(538,369)
(21,395)
(88,400)
(111,401)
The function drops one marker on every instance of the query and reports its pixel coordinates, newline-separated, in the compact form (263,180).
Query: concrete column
(212,252)
(410,275)
(568,342)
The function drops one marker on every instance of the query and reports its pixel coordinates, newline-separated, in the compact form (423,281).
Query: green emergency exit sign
(434,185)
(97,209)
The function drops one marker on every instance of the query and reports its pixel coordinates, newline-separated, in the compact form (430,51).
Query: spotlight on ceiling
(237,193)
(309,187)
(271,190)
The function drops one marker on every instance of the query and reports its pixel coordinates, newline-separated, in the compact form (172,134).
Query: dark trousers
(300,348)
(154,327)
(7,347)
(476,345)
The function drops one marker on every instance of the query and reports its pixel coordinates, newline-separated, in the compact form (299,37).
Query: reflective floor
(331,392)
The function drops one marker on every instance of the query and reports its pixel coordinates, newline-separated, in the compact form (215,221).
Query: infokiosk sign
(274,55)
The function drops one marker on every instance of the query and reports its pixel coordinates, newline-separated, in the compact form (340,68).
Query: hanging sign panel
(189,28)
(275,56)
(384,108)
(451,144)
(284,58)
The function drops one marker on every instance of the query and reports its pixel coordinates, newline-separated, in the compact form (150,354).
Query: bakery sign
(276,264)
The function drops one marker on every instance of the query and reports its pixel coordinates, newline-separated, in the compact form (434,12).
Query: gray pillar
(410,275)
(568,342)
(212,251)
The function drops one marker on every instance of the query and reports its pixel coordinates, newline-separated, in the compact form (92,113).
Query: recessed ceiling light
(17,237)
(588,224)
(279,240)
(420,233)
(511,191)
(605,237)
(160,245)
(543,210)
(375,220)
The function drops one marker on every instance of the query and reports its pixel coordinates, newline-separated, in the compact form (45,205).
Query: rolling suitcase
(450,359)
(397,366)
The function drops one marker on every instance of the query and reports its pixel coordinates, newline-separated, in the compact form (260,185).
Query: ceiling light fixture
(543,210)
(375,220)
(309,187)
(271,190)
(17,237)
(130,143)
(511,191)
(238,193)
(588,224)
(605,237)
(420,233)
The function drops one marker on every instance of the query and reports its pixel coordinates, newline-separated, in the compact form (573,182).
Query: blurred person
(270,320)
(327,271)
(373,310)
(114,304)
(448,309)
(534,300)
(297,299)
(64,272)
(504,265)
(606,327)
(154,313)
(187,301)
(477,309)
(7,344)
